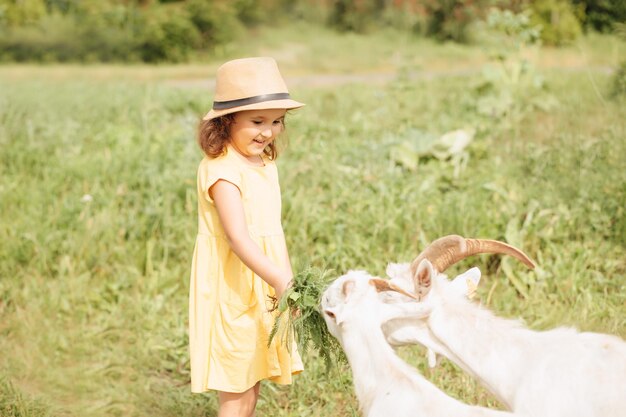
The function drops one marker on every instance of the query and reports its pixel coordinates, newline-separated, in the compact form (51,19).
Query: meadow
(98,209)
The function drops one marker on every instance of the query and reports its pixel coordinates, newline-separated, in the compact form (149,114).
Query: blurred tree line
(176,30)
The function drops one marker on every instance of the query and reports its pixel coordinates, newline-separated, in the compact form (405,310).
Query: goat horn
(448,250)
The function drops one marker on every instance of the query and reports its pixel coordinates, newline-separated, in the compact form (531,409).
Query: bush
(107,32)
(168,35)
(216,21)
(557,19)
(353,15)
(19,13)
(249,12)
(299,10)
(511,87)
(602,15)
(442,19)
(104,31)
(450,19)
(58,37)
(50,40)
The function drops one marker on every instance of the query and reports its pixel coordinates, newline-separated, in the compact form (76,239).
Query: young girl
(240,258)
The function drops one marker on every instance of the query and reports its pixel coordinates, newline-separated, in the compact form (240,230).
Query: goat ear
(386,285)
(422,279)
(347,288)
(467,283)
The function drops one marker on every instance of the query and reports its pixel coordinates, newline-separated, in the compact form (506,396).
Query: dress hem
(237,391)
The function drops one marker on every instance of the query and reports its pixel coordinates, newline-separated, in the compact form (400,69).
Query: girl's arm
(230,211)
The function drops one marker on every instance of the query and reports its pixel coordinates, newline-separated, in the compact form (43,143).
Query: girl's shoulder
(222,167)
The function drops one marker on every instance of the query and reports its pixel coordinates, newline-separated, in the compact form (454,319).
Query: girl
(240,258)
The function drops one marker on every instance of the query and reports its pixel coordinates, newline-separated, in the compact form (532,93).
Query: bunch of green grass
(299,315)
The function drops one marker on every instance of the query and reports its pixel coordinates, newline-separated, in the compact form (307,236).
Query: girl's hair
(213,135)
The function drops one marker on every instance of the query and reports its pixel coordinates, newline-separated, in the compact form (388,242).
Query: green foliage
(354,15)
(93,31)
(558,21)
(19,13)
(443,20)
(106,31)
(253,12)
(60,38)
(175,31)
(601,15)
(515,29)
(416,145)
(511,86)
(168,35)
(217,21)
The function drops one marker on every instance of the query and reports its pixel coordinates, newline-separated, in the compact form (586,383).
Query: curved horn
(448,250)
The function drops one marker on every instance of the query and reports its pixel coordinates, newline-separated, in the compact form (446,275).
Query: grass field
(98,220)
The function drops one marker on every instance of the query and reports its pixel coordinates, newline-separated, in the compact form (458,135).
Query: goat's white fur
(555,373)
(385,385)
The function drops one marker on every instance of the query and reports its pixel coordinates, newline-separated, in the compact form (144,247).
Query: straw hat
(250,84)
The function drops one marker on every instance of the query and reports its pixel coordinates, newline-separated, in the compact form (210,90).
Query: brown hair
(214,134)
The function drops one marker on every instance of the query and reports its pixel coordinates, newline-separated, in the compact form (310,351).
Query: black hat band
(222,105)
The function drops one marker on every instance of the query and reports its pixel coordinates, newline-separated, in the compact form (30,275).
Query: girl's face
(253,130)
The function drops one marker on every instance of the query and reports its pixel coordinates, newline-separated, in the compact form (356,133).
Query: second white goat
(556,373)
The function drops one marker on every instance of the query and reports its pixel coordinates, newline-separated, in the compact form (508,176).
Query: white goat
(555,373)
(385,385)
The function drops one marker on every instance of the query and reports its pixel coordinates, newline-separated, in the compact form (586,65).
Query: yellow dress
(229,321)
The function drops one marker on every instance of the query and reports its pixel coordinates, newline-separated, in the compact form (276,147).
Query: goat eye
(329,314)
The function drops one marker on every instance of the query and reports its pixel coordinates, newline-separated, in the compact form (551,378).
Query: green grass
(93,291)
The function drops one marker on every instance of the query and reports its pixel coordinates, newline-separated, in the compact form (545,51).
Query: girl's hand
(295,313)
